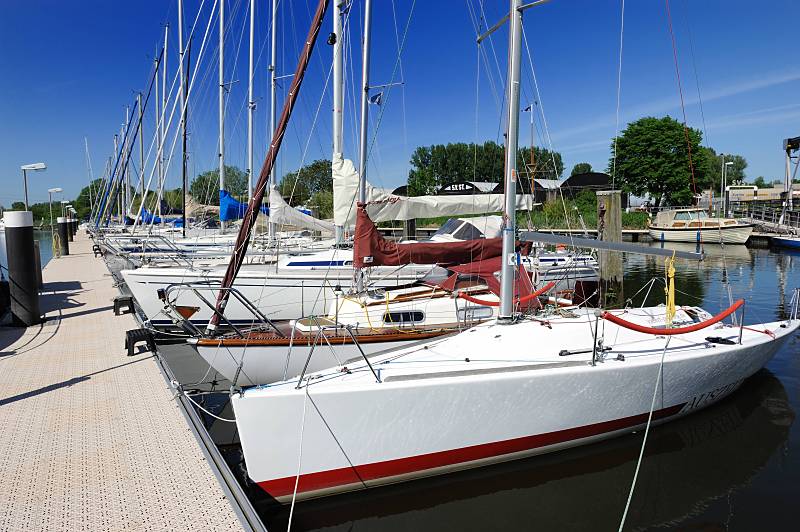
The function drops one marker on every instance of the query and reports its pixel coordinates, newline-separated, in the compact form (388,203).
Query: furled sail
(282,213)
(384,206)
(232,209)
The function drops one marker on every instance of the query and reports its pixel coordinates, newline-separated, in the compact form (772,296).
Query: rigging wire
(619,92)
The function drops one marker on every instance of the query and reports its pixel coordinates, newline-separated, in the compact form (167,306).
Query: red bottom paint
(283,487)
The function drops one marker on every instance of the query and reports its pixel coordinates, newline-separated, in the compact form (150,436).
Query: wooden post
(410,229)
(609,229)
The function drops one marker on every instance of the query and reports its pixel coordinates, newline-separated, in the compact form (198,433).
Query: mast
(182,95)
(89,169)
(508,270)
(249,221)
(163,125)
(338,93)
(141,143)
(126,194)
(362,148)
(251,104)
(157,129)
(273,94)
(221,103)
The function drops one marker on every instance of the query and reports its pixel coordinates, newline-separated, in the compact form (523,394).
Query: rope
(646,433)
(680,91)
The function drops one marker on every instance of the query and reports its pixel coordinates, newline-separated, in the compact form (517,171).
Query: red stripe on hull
(283,487)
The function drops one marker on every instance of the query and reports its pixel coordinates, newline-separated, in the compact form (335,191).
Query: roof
(551,184)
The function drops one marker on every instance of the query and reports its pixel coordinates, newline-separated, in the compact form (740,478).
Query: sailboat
(513,387)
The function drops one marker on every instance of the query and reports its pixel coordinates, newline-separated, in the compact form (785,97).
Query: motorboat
(694,225)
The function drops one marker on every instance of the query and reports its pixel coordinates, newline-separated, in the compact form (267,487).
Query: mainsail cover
(232,209)
(383,206)
(371,249)
(282,213)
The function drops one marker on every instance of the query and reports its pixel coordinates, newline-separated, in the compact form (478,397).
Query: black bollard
(63,236)
(74,226)
(70,232)
(21,268)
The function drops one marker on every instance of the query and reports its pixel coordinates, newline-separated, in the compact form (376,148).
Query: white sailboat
(506,389)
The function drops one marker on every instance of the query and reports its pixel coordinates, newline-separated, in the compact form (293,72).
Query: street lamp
(725,186)
(32,167)
(50,192)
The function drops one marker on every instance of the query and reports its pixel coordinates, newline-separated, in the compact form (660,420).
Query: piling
(63,236)
(70,229)
(37,257)
(23,289)
(609,229)
(410,229)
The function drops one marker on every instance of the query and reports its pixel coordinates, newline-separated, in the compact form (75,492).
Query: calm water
(734,466)
(45,247)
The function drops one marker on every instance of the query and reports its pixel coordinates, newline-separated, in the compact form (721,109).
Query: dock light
(33,167)
(50,192)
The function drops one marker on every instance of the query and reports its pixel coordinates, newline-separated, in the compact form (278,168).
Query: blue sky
(71,67)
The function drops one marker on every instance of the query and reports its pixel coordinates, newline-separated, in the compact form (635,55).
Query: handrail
(678,330)
(523,299)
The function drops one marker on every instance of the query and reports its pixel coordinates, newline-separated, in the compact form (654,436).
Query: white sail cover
(384,206)
(281,212)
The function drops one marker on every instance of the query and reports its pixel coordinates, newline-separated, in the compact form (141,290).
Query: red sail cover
(371,249)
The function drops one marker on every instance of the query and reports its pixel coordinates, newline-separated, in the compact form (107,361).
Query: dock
(93,439)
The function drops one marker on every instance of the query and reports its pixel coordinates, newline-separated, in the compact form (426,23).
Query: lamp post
(25,168)
(50,192)
(725,187)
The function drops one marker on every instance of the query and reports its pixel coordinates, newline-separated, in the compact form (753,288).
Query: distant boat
(787,241)
(694,225)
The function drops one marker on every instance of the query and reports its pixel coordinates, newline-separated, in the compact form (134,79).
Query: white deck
(91,439)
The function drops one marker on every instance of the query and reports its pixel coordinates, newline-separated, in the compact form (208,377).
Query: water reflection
(688,463)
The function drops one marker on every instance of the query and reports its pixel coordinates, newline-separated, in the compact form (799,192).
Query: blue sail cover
(232,209)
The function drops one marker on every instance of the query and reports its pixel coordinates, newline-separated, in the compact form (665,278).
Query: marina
(255,306)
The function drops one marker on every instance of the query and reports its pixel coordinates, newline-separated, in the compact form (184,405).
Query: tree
(653,158)
(322,204)
(433,167)
(581,168)
(87,195)
(299,187)
(205,187)
(18,206)
(734,172)
(760,182)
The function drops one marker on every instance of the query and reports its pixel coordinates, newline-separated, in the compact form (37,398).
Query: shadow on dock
(63,384)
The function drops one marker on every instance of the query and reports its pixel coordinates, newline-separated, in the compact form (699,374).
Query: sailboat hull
(363,434)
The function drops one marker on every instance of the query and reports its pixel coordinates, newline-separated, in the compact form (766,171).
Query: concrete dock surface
(91,439)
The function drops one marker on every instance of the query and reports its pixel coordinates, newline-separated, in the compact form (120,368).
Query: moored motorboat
(694,225)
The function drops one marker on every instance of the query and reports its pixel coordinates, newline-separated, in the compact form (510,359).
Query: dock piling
(63,235)
(609,229)
(22,279)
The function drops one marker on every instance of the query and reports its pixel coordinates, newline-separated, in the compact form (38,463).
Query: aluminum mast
(221,105)
(338,92)
(362,147)
(509,263)
(273,101)
(182,95)
(251,104)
